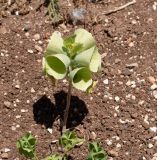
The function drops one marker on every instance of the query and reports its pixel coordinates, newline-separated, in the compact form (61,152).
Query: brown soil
(122,114)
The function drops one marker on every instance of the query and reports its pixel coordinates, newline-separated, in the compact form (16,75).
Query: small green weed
(96,152)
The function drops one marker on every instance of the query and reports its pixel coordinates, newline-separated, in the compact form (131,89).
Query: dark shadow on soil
(45,112)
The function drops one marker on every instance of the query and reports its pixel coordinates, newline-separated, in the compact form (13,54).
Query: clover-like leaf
(55,44)
(69,140)
(85,38)
(26,145)
(56,65)
(81,78)
(54,157)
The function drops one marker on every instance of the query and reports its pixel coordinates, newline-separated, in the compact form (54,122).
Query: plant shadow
(45,112)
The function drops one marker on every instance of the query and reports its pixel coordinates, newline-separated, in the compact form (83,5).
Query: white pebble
(32,90)
(155,94)
(106,81)
(7,150)
(146,119)
(18,116)
(109,142)
(150,145)
(153,129)
(28,101)
(118,145)
(117,98)
(24,110)
(13,128)
(153,86)
(50,130)
(17,86)
(30,51)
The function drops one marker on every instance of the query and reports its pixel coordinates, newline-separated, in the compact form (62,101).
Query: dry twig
(119,8)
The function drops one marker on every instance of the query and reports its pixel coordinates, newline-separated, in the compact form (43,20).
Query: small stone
(109,142)
(134,21)
(13,128)
(153,129)
(36,37)
(153,87)
(155,6)
(5,150)
(93,135)
(155,138)
(28,101)
(151,79)
(50,130)
(32,90)
(38,48)
(150,145)
(24,110)
(113,153)
(64,81)
(106,81)
(117,98)
(155,94)
(146,119)
(131,44)
(132,65)
(30,51)
(17,126)
(117,60)
(7,104)
(18,116)
(4,156)
(17,86)
(27,34)
(27,27)
(118,145)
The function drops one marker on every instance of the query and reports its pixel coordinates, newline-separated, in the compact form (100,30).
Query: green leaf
(95,63)
(69,140)
(85,38)
(54,157)
(56,65)
(26,145)
(55,44)
(84,58)
(69,40)
(70,47)
(96,152)
(81,78)
(90,88)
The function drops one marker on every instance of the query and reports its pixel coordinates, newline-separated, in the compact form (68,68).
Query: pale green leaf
(85,57)
(95,64)
(85,38)
(81,78)
(55,44)
(56,65)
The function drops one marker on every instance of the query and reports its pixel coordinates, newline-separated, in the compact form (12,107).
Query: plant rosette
(75,57)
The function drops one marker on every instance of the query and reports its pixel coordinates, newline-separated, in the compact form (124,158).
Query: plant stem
(67,107)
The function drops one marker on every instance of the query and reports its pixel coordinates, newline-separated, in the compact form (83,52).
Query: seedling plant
(75,58)
(27,144)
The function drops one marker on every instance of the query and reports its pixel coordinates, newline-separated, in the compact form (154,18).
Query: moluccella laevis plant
(76,58)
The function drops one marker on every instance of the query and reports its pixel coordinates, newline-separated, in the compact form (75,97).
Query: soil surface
(121,113)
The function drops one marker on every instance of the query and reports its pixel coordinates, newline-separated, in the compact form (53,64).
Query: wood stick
(119,8)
